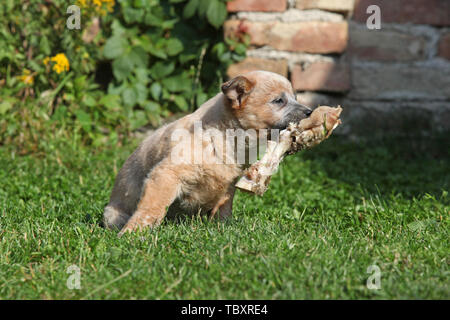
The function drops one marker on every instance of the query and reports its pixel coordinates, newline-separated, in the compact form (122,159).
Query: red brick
(433,12)
(252,64)
(321,76)
(444,46)
(257,5)
(311,37)
(329,5)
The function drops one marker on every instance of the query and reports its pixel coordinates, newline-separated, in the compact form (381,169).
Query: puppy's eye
(278,101)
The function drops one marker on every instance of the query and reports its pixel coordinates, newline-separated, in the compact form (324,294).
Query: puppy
(153,182)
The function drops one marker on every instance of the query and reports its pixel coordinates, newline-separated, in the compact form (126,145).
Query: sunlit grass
(329,214)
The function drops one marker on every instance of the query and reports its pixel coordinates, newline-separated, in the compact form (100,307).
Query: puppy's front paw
(139,221)
(129,227)
(122,232)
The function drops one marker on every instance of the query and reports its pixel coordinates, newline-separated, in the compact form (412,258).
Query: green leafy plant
(167,56)
(47,71)
(132,63)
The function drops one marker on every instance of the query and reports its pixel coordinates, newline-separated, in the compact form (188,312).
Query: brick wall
(392,80)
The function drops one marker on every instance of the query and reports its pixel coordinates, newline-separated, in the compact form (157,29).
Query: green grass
(329,214)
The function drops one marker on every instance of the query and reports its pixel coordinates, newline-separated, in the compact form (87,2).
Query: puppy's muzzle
(299,111)
(295,112)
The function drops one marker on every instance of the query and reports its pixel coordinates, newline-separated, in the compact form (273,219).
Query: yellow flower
(99,6)
(46,60)
(109,5)
(27,77)
(61,63)
(82,3)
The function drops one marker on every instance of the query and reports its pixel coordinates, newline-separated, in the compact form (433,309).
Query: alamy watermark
(374,280)
(374,21)
(74,280)
(74,20)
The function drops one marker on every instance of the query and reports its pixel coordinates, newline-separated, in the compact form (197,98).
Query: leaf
(80,83)
(240,49)
(116,90)
(177,83)
(132,15)
(89,100)
(117,28)
(149,47)
(219,49)
(84,119)
(174,47)
(160,70)
(152,20)
(217,13)
(60,113)
(5,106)
(44,46)
(139,3)
(201,98)
(155,90)
(142,75)
(114,47)
(169,24)
(12,128)
(122,68)
(152,107)
(111,101)
(225,57)
(183,58)
(138,120)
(129,97)
(157,52)
(203,7)
(141,92)
(138,57)
(181,103)
(35,66)
(190,8)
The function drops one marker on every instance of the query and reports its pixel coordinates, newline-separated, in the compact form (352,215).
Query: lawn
(329,214)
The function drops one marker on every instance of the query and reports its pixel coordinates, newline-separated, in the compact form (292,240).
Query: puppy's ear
(237,90)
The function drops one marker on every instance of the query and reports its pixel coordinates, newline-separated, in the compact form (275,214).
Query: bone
(298,136)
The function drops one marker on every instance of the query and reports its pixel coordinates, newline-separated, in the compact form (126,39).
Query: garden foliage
(131,63)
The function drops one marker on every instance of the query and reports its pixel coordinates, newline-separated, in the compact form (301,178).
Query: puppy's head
(263,100)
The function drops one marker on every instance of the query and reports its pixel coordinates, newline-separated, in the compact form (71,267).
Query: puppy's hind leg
(114,218)
(160,190)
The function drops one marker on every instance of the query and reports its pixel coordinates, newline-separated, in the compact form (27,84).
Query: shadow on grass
(410,166)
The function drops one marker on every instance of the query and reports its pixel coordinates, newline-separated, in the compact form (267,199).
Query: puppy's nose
(307,112)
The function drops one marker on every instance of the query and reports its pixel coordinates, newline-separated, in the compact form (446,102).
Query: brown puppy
(156,179)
